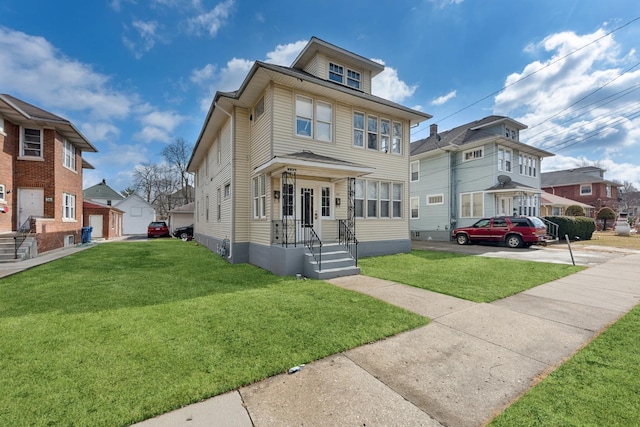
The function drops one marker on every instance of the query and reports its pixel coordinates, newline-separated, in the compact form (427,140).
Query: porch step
(7,249)
(334,263)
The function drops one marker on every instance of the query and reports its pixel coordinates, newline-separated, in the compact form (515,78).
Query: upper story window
(504,159)
(258,111)
(396,142)
(510,133)
(476,153)
(372,132)
(259,197)
(2,126)
(358,129)
(435,199)
(585,190)
(336,73)
(608,190)
(69,155)
(353,79)
(31,142)
(415,171)
(382,134)
(305,118)
(227,191)
(3,193)
(68,206)
(528,165)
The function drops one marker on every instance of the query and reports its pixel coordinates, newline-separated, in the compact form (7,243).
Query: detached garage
(106,220)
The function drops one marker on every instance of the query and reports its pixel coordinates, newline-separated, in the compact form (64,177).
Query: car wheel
(184,236)
(514,241)
(462,239)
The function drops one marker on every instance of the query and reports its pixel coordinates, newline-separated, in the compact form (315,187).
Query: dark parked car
(184,233)
(158,229)
(514,231)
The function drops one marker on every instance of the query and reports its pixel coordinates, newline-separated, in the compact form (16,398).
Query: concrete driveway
(556,253)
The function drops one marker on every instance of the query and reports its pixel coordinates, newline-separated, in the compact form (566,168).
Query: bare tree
(128,191)
(629,197)
(584,163)
(145,176)
(177,155)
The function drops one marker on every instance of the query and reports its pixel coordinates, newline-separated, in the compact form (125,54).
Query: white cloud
(100,131)
(285,54)
(388,85)
(614,171)
(444,99)
(211,21)
(158,126)
(204,74)
(583,105)
(147,36)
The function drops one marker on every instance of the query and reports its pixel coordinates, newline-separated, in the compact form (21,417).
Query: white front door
(30,203)
(95,221)
(505,206)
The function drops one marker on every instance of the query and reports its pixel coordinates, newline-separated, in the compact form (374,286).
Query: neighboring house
(102,193)
(137,216)
(181,216)
(479,169)
(41,174)
(105,220)
(552,205)
(302,157)
(586,185)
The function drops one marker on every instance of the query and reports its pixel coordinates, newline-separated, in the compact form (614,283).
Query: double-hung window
(585,190)
(68,206)
(397,200)
(259,197)
(384,200)
(69,155)
(471,205)
(385,131)
(318,125)
(304,115)
(372,132)
(323,121)
(527,165)
(415,207)
(504,159)
(358,129)
(31,142)
(372,199)
(326,202)
(397,138)
(415,171)
(353,79)
(359,199)
(336,73)
(3,192)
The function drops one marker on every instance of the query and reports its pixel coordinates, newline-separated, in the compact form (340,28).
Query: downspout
(453,218)
(233,187)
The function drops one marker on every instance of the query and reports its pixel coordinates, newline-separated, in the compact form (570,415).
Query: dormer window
(336,73)
(510,133)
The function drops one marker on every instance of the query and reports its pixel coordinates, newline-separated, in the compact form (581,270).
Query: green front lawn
(125,331)
(473,278)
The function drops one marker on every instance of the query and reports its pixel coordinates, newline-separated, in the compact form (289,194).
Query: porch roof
(512,187)
(311,164)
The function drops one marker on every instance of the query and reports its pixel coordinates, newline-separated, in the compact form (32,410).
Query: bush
(574,210)
(605,214)
(576,227)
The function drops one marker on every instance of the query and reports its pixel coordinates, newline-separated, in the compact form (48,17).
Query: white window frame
(434,199)
(396,200)
(325,202)
(206,208)
(336,73)
(23,142)
(472,205)
(68,207)
(301,115)
(505,159)
(2,131)
(527,165)
(396,138)
(259,197)
(385,199)
(372,199)
(3,193)
(359,131)
(219,205)
(414,172)
(227,190)
(473,154)
(328,122)
(359,198)
(354,79)
(258,110)
(69,155)
(608,191)
(584,187)
(385,135)
(371,119)
(415,207)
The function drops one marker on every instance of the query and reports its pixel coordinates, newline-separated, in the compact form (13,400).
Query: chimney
(433,129)
(104,181)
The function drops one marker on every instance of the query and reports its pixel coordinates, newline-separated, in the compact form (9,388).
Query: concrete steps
(7,249)
(335,262)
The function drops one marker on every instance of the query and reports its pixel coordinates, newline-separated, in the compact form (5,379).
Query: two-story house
(41,174)
(475,170)
(302,158)
(585,184)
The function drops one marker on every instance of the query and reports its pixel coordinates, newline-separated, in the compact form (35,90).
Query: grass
(609,238)
(472,278)
(598,386)
(122,332)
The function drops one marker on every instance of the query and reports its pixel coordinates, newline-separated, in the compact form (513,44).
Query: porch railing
(347,238)
(552,228)
(314,244)
(294,232)
(21,235)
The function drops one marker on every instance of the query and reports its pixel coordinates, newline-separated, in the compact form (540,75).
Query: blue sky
(134,75)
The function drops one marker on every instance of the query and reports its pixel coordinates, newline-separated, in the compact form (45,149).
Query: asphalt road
(587,255)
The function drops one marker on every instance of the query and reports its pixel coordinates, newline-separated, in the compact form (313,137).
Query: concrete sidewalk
(462,369)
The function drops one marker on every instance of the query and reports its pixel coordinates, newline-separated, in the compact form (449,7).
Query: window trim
(365,198)
(258,109)
(3,193)
(394,136)
(428,198)
(527,165)
(227,191)
(68,207)
(416,172)
(72,155)
(361,130)
(332,69)
(473,152)
(22,142)
(472,195)
(417,207)
(590,193)
(502,162)
(259,189)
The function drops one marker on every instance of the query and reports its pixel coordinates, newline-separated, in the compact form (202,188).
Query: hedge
(576,227)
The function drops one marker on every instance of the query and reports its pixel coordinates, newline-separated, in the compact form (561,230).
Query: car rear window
(520,222)
(537,222)
(158,224)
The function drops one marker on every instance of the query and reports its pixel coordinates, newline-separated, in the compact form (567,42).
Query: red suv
(514,231)
(158,229)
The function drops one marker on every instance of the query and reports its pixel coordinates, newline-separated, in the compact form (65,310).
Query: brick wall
(598,197)
(8,145)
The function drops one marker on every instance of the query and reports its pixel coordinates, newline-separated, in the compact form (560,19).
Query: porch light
(337,201)
(276,194)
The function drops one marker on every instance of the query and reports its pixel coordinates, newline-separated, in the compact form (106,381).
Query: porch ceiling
(306,163)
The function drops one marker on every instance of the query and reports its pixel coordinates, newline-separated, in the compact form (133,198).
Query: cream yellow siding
(242,179)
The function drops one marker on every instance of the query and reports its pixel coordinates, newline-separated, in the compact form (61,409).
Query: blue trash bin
(86,234)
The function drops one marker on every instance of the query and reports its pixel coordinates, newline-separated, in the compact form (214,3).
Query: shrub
(605,214)
(576,227)
(574,210)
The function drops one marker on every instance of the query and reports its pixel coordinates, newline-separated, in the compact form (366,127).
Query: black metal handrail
(347,238)
(313,242)
(552,228)
(21,235)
